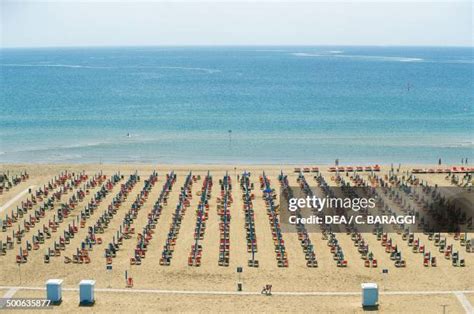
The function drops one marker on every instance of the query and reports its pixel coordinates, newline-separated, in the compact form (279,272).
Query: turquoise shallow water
(283,104)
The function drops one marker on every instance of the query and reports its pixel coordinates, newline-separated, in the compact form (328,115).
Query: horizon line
(232,45)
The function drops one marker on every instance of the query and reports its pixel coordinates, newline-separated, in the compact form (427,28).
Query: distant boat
(129,135)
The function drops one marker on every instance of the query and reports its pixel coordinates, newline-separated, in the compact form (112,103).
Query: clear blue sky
(309,22)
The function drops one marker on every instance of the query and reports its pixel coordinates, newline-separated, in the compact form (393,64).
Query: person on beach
(439,162)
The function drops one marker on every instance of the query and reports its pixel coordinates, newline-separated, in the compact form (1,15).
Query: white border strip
(16,198)
(214,292)
(465,302)
(460,295)
(10,293)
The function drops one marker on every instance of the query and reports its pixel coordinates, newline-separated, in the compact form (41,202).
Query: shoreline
(241,164)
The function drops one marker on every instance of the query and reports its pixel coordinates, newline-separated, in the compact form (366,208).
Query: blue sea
(266,105)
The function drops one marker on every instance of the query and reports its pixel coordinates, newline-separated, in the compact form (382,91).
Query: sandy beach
(209,278)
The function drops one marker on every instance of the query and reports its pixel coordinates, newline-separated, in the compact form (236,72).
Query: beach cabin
(370,295)
(53,290)
(86,292)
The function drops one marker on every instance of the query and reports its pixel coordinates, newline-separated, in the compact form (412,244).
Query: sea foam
(339,54)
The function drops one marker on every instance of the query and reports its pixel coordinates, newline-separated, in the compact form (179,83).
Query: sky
(227,22)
